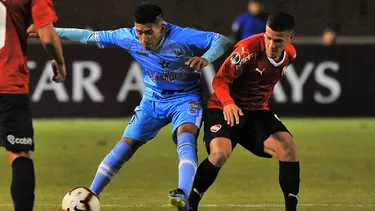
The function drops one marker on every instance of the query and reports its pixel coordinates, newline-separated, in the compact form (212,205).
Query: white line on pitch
(213,205)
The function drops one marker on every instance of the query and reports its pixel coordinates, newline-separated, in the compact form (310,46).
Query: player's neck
(279,58)
(160,43)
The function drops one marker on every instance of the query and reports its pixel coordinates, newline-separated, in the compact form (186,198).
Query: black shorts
(254,128)
(16,128)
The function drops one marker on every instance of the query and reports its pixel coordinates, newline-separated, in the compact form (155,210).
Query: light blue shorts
(150,116)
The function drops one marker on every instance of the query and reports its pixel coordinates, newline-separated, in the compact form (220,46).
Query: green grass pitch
(337,168)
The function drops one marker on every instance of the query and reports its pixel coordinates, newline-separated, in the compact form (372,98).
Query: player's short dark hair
(280,21)
(256,1)
(148,13)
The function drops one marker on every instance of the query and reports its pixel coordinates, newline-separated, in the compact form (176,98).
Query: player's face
(276,42)
(149,34)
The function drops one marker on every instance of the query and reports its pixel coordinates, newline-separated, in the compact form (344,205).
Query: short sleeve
(43,13)
(118,38)
(199,40)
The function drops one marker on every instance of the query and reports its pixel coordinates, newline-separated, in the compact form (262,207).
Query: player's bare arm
(51,43)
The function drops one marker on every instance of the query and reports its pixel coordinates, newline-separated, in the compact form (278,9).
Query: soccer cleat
(179,199)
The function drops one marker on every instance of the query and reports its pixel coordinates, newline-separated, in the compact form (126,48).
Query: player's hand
(31,31)
(232,114)
(59,72)
(197,63)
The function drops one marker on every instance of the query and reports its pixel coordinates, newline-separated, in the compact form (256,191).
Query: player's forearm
(51,43)
(217,49)
(55,50)
(76,35)
(221,88)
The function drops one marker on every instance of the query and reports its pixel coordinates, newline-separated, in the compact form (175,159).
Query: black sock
(205,176)
(23,184)
(289,182)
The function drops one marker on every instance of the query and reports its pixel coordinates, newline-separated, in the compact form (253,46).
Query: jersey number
(3,15)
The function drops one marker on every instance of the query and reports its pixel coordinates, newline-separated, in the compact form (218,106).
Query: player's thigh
(258,128)
(186,110)
(218,135)
(143,125)
(16,128)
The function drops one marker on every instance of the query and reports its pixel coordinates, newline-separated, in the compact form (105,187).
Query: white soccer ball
(80,199)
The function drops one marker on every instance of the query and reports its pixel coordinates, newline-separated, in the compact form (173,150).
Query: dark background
(355,17)
(355,75)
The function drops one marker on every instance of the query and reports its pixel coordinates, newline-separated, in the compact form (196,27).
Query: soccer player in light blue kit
(169,57)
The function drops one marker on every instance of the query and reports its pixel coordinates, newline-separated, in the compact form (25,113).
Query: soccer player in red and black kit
(238,111)
(16,129)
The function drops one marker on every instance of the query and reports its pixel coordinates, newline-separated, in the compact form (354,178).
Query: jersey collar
(276,64)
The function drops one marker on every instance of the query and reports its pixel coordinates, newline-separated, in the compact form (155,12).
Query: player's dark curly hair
(280,21)
(148,13)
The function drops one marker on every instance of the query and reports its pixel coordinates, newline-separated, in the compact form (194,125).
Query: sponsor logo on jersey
(240,59)
(15,140)
(260,71)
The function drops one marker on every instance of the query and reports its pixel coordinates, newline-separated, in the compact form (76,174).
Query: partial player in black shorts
(238,109)
(254,128)
(16,128)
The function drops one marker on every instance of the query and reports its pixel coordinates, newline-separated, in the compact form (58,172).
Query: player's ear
(291,36)
(163,27)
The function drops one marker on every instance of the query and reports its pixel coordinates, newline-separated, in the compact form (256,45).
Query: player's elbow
(47,34)
(224,42)
(220,82)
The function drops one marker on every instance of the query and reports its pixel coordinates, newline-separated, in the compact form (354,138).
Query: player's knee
(219,156)
(14,155)
(288,152)
(187,128)
(134,144)
(220,150)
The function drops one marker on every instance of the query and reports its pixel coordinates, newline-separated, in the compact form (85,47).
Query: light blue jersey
(164,71)
(172,95)
(172,92)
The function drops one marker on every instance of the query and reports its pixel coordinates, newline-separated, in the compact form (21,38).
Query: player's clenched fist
(59,72)
(31,31)
(232,114)
(197,63)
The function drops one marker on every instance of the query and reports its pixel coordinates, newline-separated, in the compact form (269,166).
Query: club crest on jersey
(179,53)
(193,107)
(215,128)
(193,104)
